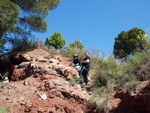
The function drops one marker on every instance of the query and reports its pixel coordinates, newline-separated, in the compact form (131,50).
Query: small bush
(139,65)
(76,44)
(24,44)
(99,103)
(106,71)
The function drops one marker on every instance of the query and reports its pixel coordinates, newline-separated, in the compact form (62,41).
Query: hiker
(76,63)
(85,68)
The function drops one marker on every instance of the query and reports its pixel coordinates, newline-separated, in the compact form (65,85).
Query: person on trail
(76,63)
(85,68)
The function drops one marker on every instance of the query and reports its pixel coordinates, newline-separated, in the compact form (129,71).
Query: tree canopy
(18,18)
(8,16)
(32,14)
(56,40)
(129,42)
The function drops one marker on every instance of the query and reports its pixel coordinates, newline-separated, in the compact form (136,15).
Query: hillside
(41,82)
(37,73)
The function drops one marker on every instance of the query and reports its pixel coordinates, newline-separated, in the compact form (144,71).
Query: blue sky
(96,22)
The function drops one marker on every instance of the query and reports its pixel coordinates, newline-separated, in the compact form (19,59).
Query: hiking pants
(84,74)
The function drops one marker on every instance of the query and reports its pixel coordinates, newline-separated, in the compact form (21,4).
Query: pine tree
(56,40)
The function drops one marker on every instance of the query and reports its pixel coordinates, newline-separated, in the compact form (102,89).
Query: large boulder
(19,58)
(67,72)
(22,73)
(42,60)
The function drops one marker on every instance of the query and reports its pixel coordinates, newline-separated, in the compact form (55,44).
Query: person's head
(86,54)
(75,56)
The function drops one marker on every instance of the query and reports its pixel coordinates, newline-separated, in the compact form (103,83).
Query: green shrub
(107,70)
(139,58)
(75,44)
(139,66)
(25,44)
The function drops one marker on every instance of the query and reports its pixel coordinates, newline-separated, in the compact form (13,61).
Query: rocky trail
(38,73)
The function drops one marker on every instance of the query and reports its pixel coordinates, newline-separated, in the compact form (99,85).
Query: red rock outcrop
(19,58)
(21,67)
(135,102)
(22,73)
(49,78)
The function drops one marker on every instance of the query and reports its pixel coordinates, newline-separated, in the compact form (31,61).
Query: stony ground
(23,96)
(43,74)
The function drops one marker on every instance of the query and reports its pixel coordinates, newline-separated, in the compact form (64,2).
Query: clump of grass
(3,110)
(1,87)
(99,103)
(75,80)
(139,65)
(47,57)
(130,86)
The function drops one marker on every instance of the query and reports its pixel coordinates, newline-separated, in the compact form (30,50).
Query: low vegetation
(108,71)
(3,110)
(76,80)
(1,87)
(24,44)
